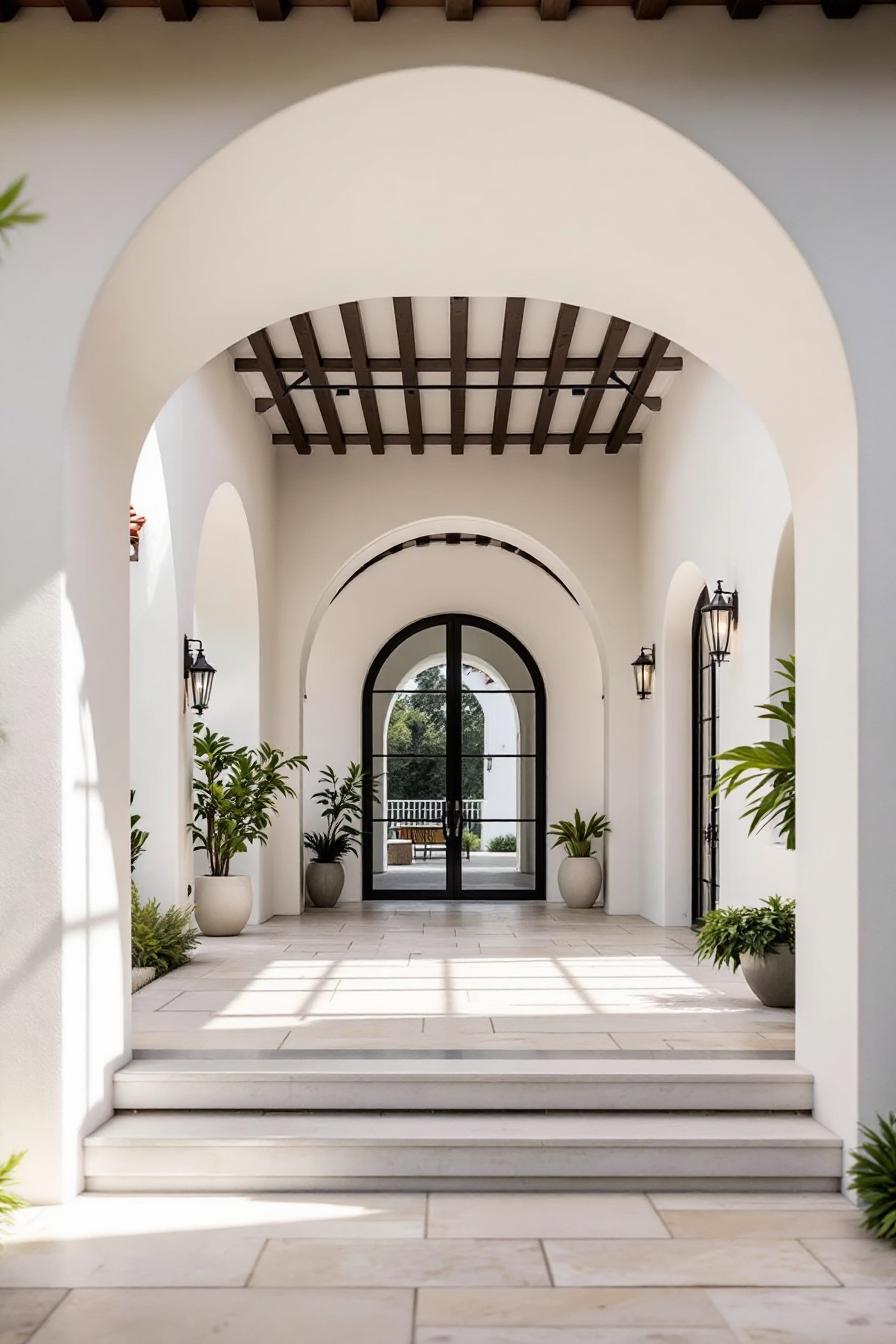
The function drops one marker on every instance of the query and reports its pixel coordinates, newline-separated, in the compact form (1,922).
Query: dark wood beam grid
(475,363)
(656,348)
(442,440)
(260,342)
(606,362)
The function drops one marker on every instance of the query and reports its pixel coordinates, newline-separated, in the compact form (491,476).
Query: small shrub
(161,939)
(727,933)
(9,1202)
(873,1177)
(138,837)
(502,844)
(470,841)
(576,836)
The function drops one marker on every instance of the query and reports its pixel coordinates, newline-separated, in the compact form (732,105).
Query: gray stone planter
(772,977)
(324,882)
(223,905)
(580,881)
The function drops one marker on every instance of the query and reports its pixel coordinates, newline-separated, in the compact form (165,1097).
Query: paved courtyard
(447,1269)
(500,976)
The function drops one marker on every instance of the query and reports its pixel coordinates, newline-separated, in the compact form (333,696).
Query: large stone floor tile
(540,1334)
(789,1199)
(809,1316)
(248,1038)
(702,1264)
(400,1264)
(22,1310)
(232,1316)
(164,1260)
(773,1224)
(681,1308)
(858,1264)
(543,1215)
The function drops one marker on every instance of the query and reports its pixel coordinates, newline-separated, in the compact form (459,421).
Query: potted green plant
(235,792)
(340,808)
(470,841)
(759,939)
(580,876)
(767,770)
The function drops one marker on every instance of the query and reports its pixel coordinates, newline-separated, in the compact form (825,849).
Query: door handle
(446,830)
(459,820)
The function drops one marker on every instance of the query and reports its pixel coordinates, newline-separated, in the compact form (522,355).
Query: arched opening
(681,281)
(441,697)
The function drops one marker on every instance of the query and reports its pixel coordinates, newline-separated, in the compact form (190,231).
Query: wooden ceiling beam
(649,9)
(365,11)
(8,10)
(563,330)
(606,362)
(85,11)
(458,321)
(656,348)
(459,9)
(840,9)
(475,364)
(510,347)
(272,11)
(407,350)
(262,404)
(472,440)
(260,342)
(745,9)
(552,10)
(178,11)
(357,345)
(304,331)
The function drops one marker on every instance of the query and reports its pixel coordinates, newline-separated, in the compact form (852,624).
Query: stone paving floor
(511,976)
(447,1269)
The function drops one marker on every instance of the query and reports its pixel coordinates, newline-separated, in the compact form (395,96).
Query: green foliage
(235,792)
(873,1177)
(138,837)
(417,735)
(576,836)
(470,841)
(340,801)
(9,1201)
(163,940)
(14,211)
(767,770)
(502,844)
(727,933)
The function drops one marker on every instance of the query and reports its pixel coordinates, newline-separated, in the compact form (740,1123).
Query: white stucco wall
(713,505)
(799,109)
(510,592)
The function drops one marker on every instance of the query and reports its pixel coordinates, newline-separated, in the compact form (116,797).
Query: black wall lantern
(719,620)
(198,675)
(644,668)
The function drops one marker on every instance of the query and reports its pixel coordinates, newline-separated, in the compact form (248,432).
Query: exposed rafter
(606,362)
(357,345)
(459,310)
(407,349)
(301,325)
(8,10)
(510,345)
(179,11)
(553,9)
(459,9)
(443,440)
(85,11)
(475,364)
(272,11)
(649,9)
(365,11)
(745,9)
(655,351)
(563,330)
(260,342)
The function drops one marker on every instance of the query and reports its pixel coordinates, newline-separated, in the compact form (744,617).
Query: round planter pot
(223,905)
(323,882)
(580,881)
(772,977)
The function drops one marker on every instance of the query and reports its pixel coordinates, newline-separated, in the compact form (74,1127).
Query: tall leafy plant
(767,770)
(340,806)
(14,210)
(138,837)
(873,1177)
(576,836)
(235,794)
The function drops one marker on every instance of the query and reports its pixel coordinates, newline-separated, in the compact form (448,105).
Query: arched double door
(454,736)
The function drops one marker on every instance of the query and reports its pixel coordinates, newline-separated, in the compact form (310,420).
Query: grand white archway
(721,277)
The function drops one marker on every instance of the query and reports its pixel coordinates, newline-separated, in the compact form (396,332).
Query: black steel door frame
(454,819)
(705,770)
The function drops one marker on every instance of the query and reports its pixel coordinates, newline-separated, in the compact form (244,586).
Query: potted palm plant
(580,876)
(758,939)
(235,792)
(340,808)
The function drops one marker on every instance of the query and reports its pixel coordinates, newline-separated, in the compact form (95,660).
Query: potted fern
(580,876)
(760,940)
(340,808)
(235,793)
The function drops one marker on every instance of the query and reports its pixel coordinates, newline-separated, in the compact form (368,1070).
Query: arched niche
(226,620)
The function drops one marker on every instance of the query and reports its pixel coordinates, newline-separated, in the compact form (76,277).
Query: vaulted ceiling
(366,11)
(454,375)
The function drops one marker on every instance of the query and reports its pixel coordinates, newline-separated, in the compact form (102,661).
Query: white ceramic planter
(324,882)
(580,881)
(222,904)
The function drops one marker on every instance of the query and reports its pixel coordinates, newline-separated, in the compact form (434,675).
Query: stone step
(413,1082)
(252,1151)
